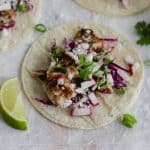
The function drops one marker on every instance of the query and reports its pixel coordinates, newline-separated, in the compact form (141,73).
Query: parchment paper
(45,135)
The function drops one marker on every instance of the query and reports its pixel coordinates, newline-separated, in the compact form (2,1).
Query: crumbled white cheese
(81,48)
(90,56)
(84,46)
(61,81)
(88,31)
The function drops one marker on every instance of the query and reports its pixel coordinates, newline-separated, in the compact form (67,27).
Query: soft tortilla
(23,28)
(114,7)
(111,106)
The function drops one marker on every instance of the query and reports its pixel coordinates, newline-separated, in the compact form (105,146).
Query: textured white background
(45,135)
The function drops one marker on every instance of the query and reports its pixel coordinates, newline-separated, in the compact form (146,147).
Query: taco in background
(17,18)
(115,7)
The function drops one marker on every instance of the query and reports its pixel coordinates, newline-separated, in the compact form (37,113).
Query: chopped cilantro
(143,30)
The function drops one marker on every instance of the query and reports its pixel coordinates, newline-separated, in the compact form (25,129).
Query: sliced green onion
(147,62)
(56,53)
(107,60)
(22,8)
(121,91)
(40,28)
(129,120)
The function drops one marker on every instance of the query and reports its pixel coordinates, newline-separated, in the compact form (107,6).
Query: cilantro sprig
(86,67)
(143,30)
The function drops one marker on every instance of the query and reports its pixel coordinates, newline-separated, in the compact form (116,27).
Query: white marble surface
(44,135)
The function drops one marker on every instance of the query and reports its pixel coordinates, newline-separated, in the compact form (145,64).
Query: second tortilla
(115,7)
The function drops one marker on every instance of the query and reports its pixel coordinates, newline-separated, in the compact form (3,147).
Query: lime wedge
(12,107)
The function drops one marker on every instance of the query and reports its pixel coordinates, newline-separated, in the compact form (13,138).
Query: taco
(17,18)
(115,7)
(82,75)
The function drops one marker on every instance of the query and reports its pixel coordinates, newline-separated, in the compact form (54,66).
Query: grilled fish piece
(59,89)
(85,35)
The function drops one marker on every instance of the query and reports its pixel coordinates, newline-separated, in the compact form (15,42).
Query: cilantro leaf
(143,30)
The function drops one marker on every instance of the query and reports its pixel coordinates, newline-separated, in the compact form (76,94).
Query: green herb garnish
(99,56)
(80,97)
(40,28)
(105,69)
(85,71)
(143,30)
(57,53)
(83,61)
(99,74)
(128,120)
(147,62)
(86,67)
(22,8)
(107,60)
(101,83)
(121,91)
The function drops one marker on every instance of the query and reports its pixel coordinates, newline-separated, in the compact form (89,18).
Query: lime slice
(12,107)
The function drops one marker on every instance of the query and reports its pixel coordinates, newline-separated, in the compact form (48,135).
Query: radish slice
(93,99)
(79,91)
(87,84)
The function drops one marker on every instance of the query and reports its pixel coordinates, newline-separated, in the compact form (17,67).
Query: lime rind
(16,117)
(12,121)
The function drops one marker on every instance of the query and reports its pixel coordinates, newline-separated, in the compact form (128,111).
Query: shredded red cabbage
(109,39)
(74,100)
(10,24)
(115,67)
(69,44)
(118,80)
(130,69)
(44,101)
(53,45)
